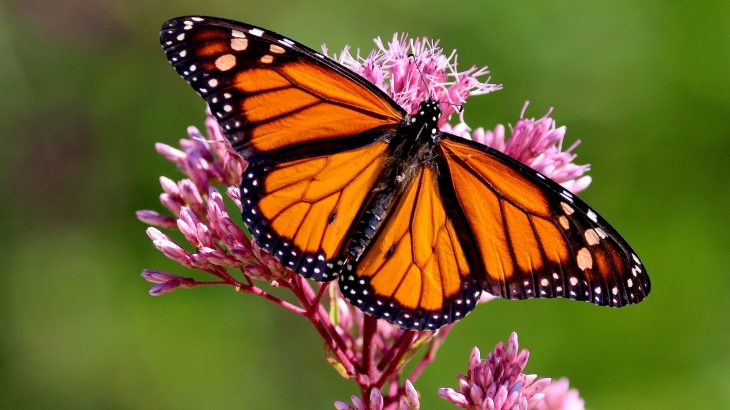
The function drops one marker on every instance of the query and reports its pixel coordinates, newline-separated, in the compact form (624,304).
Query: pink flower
(376,402)
(165,281)
(497,383)
(537,143)
(409,401)
(411,70)
(559,396)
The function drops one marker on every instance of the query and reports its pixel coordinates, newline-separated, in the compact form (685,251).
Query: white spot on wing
(592,215)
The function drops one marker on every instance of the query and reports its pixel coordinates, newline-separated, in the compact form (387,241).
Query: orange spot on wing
(211,49)
(208,33)
(602,264)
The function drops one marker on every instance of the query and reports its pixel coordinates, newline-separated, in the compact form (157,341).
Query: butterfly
(414,223)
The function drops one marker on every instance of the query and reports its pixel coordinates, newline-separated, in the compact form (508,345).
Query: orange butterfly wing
(301,211)
(535,238)
(415,272)
(312,132)
(271,94)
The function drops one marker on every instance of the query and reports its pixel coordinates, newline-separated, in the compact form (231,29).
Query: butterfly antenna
(428,90)
(459,107)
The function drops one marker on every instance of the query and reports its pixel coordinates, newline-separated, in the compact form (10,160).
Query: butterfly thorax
(414,145)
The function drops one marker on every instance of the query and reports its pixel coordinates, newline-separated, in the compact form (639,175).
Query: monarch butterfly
(342,183)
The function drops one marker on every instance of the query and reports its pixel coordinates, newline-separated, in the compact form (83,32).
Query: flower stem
(430,355)
(254,290)
(370,325)
(400,348)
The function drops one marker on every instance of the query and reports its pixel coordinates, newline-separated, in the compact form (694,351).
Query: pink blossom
(164,281)
(497,383)
(409,401)
(537,143)
(559,396)
(411,70)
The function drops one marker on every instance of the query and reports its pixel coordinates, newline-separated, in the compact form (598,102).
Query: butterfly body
(413,146)
(414,223)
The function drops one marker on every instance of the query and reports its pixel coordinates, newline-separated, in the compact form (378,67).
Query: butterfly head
(427,117)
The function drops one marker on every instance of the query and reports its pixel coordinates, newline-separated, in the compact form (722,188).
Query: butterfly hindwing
(301,211)
(535,238)
(415,272)
(270,93)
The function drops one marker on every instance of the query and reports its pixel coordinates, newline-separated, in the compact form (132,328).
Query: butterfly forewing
(270,93)
(535,238)
(301,211)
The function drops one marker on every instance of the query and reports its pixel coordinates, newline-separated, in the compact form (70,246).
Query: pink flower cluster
(409,401)
(537,143)
(371,352)
(411,70)
(497,383)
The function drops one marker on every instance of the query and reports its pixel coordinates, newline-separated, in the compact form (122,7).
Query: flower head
(536,143)
(200,215)
(164,281)
(497,383)
(411,70)
(559,396)
(409,401)
(376,402)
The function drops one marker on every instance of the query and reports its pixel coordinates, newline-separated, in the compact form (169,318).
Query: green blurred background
(86,91)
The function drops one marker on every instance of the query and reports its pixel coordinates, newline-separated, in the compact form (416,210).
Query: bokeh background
(86,91)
